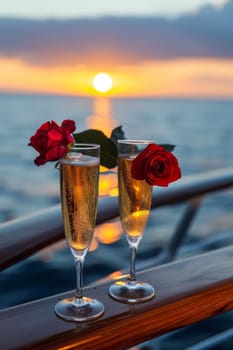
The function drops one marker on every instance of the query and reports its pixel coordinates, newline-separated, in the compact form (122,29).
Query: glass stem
(133,250)
(79,277)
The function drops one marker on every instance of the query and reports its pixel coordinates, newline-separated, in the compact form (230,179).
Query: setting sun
(102,82)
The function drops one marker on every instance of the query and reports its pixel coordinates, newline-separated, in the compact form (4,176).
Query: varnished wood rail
(22,237)
(187,291)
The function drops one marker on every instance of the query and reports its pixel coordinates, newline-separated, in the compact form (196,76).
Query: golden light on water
(108,183)
(101,117)
(107,233)
(102,82)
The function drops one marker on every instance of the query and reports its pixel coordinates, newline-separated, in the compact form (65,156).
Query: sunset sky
(150,48)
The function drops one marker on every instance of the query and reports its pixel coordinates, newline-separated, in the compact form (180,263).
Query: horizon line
(115,97)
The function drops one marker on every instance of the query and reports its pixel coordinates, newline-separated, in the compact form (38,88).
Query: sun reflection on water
(108,183)
(102,119)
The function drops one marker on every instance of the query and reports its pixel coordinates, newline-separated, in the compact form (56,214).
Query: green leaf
(108,149)
(117,134)
(168,147)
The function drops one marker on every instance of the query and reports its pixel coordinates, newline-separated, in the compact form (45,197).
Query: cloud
(208,33)
(212,79)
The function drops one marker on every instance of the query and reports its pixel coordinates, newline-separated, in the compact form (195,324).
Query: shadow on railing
(187,291)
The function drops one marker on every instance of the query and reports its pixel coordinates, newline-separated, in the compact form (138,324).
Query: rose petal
(68,126)
(162,169)
(52,140)
(138,164)
(40,161)
(54,135)
(156,165)
(44,126)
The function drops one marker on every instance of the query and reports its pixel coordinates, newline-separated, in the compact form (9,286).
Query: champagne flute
(134,205)
(79,177)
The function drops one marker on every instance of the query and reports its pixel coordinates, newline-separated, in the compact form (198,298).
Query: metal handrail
(24,236)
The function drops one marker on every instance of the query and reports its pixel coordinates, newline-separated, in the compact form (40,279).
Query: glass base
(79,310)
(131,292)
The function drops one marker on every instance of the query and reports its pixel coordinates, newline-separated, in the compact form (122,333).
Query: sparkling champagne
(79,194)
(134,199)
(134,203)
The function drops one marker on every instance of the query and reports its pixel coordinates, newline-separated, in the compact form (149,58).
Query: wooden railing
(187,290)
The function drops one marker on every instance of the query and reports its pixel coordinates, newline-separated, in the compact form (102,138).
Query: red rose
(52,140)
(156,165)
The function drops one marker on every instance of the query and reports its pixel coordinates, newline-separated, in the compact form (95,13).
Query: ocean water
(201,130)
